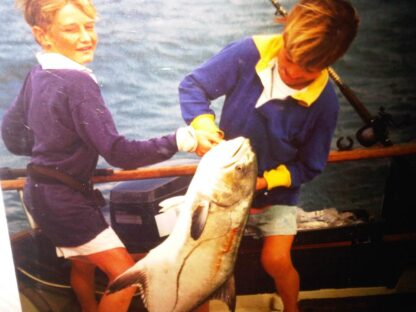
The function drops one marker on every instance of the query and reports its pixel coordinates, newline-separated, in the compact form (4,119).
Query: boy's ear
(41,37)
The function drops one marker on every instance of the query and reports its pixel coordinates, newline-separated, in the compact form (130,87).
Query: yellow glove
(206,122)
(208,133)
(277,177)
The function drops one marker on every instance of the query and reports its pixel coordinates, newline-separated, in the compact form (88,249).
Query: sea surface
(146,48)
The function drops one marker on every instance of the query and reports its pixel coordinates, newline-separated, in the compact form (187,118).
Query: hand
(207,140)
(261,184)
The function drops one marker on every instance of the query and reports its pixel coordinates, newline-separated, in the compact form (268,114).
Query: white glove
(186,139)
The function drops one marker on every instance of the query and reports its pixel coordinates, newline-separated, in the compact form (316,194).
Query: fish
(195,263)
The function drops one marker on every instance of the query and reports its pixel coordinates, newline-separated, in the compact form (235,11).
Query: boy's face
(292,74)
(72,34)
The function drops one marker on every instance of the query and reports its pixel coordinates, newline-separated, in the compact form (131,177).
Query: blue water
(146,47)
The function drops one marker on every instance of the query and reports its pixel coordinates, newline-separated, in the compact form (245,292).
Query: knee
(112,262)
(277,264)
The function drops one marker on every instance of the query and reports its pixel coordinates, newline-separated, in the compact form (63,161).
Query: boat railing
(159,171)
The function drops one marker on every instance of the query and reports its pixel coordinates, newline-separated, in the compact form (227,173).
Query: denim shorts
(274,220)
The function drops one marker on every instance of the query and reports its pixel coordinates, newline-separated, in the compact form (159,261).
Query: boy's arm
(214,78)
(15,132)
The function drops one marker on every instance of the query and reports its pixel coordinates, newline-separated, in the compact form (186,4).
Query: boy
(60,119)
(277,94)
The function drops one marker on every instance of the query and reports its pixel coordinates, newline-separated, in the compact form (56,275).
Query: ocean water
(146,47)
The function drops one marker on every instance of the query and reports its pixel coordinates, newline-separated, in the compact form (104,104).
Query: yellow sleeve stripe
(277,177)
(206,122)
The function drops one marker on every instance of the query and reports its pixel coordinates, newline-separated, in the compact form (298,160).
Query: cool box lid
(148,191)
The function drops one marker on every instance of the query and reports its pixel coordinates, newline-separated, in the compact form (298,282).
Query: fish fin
(172,203)
(199,218)
(130,278)
(226,293)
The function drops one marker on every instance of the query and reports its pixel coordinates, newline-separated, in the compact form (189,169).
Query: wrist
(186,139)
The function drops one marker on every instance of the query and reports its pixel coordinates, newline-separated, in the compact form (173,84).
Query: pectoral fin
(199,219)
(226,293)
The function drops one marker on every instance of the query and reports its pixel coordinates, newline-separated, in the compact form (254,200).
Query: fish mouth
(239,150)
(242,147)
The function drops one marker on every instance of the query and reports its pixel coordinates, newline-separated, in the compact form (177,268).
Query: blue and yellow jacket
(290,137)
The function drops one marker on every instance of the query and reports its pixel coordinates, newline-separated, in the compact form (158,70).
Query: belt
(43,174)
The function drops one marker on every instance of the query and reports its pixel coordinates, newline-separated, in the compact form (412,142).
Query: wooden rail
(373,152)
(181,170)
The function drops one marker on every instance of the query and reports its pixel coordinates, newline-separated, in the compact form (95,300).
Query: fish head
(227,173)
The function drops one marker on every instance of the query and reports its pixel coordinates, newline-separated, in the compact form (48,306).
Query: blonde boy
(60,119)
(277,94)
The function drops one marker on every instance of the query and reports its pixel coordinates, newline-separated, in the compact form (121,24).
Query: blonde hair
(318,32)
(42,12)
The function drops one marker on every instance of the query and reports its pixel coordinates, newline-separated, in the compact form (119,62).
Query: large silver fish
(196,262)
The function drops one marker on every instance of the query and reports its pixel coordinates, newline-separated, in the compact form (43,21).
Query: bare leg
(277,262)
(114,262)
(83,284)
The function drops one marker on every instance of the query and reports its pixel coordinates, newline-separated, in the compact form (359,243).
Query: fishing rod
(375,128)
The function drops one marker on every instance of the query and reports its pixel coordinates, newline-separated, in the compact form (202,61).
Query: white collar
(274,86)
(50,60)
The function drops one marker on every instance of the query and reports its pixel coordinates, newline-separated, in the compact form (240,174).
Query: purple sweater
(61,121)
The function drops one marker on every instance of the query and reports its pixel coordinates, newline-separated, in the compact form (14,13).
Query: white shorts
(274,220)
(106,240)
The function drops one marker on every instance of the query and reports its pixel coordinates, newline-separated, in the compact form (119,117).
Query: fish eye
(239,168)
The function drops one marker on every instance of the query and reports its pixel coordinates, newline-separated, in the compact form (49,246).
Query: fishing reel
(374,131)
